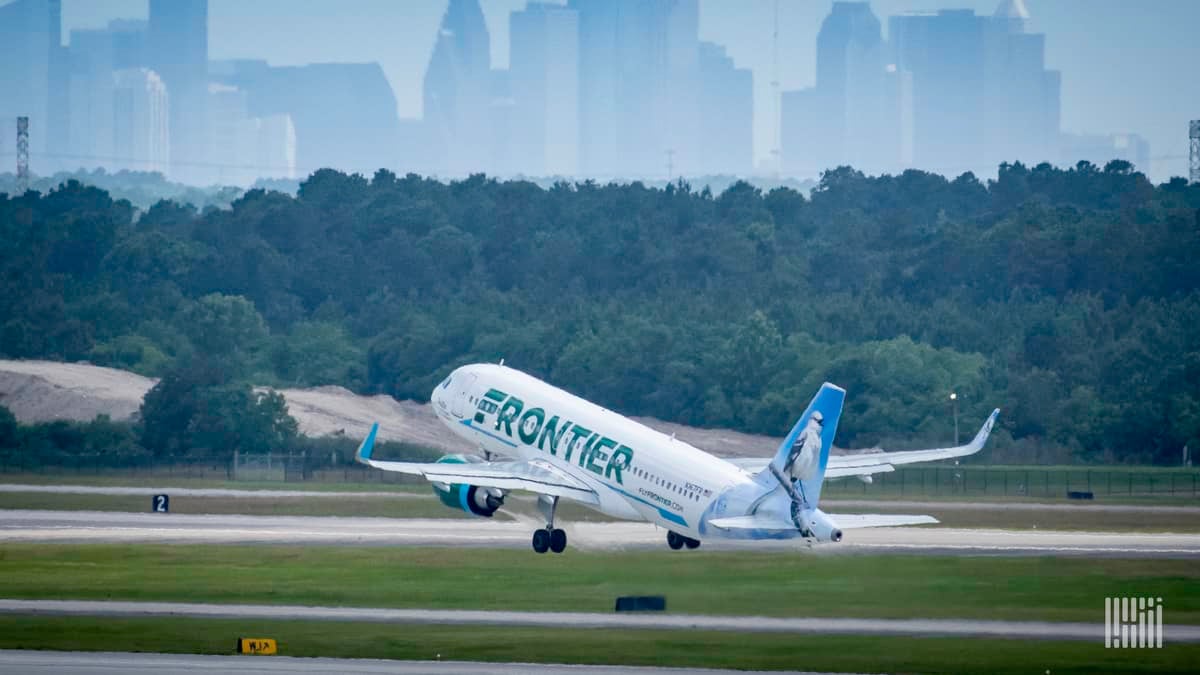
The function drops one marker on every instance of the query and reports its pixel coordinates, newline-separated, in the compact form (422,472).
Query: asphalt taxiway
(123,527)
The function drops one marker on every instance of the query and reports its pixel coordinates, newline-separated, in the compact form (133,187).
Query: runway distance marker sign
(260,646)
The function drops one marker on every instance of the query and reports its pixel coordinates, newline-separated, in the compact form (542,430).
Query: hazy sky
(1127,65)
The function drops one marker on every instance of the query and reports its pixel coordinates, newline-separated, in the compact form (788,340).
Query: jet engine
(822,528)
(475,500)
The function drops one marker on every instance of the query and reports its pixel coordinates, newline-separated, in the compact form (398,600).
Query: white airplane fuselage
(636,472)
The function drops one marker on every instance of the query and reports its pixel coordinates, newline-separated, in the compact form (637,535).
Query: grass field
(649,648)
(421,504)
(1052,589)
(169,479)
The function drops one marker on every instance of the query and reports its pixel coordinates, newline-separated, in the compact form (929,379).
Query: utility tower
(22,155)
(1194,154)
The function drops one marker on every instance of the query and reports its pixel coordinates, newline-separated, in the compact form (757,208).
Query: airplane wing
(531,476)
(841,466)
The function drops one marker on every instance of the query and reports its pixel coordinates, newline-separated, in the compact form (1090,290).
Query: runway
(121,527)
(117,663)
(1029,630)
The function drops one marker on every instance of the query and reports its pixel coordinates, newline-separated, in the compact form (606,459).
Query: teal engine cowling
(475,500)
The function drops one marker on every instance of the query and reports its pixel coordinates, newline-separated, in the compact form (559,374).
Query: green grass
(593,646)
(742,583)
(404,505)
(121,478)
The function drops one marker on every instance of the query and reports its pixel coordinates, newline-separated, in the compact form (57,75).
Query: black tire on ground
(674,541)
(558,540)
(692,543)
(541,540)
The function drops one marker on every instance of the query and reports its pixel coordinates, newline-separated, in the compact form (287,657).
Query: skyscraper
(639,85)
(456,90)
(725,144)
(141,138)
(599,85)
(848,116)
(981,91)
(1021,97)
(91,90)
(343,114)
(33,76)
(276,155)
(544,85)
(177,49)
(232,138)
(94,56)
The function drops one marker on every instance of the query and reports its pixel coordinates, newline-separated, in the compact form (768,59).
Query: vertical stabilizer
(799,464)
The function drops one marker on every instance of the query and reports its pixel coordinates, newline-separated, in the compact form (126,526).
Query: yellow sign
(256,646)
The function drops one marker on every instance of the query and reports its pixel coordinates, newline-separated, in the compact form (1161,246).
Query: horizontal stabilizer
(765,524)
(769,524)
(851,521)
(842,472)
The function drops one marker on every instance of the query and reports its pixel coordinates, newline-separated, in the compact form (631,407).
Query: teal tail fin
(799,464)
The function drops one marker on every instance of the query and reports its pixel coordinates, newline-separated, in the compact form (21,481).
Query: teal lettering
(549,431)
(577,432)
(531,424)
(508,412)
(596,451)
(621,458)
(587,449)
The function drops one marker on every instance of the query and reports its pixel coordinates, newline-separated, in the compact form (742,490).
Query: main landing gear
(677,541)
(549,538)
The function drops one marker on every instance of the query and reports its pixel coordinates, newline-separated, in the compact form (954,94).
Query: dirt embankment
(40,391)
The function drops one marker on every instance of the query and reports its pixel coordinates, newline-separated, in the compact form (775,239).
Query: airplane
(537,438)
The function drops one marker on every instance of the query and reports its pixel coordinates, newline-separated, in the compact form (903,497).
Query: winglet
(976,443)
(363,456)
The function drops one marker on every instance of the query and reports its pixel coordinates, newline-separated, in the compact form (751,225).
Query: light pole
(954,402)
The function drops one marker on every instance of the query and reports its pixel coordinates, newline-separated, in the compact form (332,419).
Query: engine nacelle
(475,500)
(821,527)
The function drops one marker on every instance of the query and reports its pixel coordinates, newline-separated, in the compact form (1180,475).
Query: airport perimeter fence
(260,468)
(919,481)
(1040,482)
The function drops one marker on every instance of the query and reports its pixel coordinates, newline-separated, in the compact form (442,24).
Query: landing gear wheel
(674,541)
(692,543)
(558,540)
(541,540)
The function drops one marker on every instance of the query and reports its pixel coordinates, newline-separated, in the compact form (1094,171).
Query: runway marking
(749,624)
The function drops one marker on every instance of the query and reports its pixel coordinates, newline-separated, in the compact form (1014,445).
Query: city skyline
(1117,77)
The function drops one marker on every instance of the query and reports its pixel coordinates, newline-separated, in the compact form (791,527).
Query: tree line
(1068,297)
